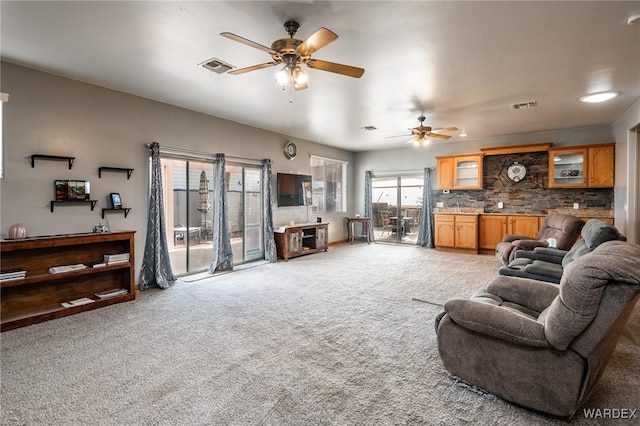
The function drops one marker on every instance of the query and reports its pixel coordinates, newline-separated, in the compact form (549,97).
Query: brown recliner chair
(540,345)
(564,228)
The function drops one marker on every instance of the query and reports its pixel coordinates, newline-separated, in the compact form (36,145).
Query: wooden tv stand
(298,240)
(39,296)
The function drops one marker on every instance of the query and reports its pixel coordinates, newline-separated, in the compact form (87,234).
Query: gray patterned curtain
(425,231)
(156,266)
(222,257)
(270,253)
(368,202)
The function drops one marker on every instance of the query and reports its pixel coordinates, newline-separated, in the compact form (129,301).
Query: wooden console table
(366,227)
(301,239)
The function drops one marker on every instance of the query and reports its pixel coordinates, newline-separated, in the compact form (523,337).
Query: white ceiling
(460,63)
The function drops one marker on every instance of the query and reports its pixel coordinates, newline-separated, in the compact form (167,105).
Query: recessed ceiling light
(599,97)
(463,134)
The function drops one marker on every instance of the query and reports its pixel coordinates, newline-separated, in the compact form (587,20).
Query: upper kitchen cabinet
(460,172)
(582,166)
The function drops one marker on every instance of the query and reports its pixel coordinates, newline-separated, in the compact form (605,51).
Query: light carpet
(337,338)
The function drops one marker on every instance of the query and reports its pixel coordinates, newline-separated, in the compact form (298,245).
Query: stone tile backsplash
(529,196)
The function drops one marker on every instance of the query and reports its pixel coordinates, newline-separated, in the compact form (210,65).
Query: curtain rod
(197,155)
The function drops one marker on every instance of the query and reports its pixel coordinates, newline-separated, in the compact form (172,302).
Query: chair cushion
(547,269)
(582,286)
(594,233)
(564,228)
(597,231)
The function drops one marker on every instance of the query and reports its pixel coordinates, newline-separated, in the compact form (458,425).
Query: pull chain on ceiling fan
(294,53)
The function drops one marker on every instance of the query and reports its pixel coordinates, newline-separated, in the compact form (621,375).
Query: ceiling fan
(293,53)
(421,134)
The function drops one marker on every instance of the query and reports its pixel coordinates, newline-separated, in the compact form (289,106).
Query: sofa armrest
(543,253)
(496,321)
(509,238)
(532,294)
(528,244)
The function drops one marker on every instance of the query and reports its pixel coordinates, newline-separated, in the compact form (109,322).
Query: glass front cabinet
(567,168)
(460,172)
(584,166)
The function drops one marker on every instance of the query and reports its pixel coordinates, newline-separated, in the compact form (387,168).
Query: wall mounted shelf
(92,202)
(126,211)
(51,157)
(115,169)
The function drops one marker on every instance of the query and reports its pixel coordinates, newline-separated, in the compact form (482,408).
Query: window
(329,182)
(3,98)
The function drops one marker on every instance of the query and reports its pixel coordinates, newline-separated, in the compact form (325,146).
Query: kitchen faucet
(457,207)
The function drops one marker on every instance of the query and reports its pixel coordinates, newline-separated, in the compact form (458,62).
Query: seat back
(594,233)
(564,228)
(595,290)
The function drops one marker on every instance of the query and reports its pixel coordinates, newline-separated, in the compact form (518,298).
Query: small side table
(366,225)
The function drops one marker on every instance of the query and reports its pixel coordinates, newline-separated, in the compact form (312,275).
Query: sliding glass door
(244,196)
(188,195)
(188,199)
(397,203)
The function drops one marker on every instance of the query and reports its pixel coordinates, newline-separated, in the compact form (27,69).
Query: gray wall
(47,114)
(627,191)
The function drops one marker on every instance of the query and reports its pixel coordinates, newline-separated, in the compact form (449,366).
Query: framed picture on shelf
(78,190)
(116,201)
(61,189)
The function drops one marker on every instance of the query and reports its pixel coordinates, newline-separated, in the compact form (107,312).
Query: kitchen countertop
(575,212)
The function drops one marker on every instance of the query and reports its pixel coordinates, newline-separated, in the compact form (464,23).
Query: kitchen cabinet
(493,228)
(456,232)
(523,225)
(459,172)
(582,166)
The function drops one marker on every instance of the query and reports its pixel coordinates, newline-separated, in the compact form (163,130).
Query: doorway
(244,198)
(188,211)
(397,204)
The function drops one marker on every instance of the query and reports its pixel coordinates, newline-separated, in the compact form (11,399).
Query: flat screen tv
(294,190)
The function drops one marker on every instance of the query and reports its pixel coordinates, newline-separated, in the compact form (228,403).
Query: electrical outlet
(576,206)
(501,205)
(439,204)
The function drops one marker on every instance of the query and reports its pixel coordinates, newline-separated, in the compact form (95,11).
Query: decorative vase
(17,231)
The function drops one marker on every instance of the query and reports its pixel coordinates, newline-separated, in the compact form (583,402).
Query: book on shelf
(97,264)
(111,293)
(115,262)
(66,268)
(116,256)
(13,274)
(77,302)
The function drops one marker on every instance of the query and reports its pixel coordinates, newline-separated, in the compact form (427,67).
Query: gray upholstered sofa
(546,264)
(564,228)
(540,345)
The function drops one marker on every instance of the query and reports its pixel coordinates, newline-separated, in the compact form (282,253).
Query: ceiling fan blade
(252,68)
(248,42)
(315,41)
(336,68)
(397,136)
(447,129)
(435,135)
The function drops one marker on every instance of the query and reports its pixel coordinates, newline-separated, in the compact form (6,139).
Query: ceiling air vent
(531,104)
(216,65)
(369,128)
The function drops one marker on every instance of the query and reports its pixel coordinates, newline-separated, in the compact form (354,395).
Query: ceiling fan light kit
(422,134)
(294,53)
